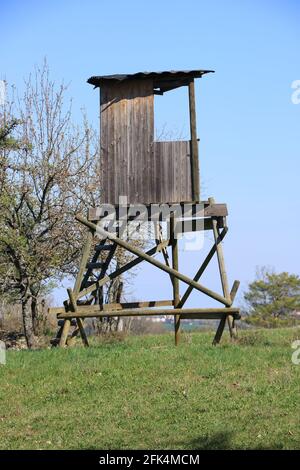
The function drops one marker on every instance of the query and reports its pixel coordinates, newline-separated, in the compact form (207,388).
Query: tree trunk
(31,339)
(35,316)
(1,316)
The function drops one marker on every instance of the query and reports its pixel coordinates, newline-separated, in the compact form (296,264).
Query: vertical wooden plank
(158,171)
(189,193)
(150,110)
(117,136)
(194,144)
(170,185)
(176,157)
(131,165)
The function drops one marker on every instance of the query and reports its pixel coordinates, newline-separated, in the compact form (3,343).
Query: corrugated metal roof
(161,79)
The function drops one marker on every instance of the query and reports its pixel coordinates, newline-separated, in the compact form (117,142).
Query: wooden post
(219,331)
(80,283)
(73,304)
(82,332)
(164,251)
(194,144)
(64,333)
(233,293)
(176,295)
(223,276)
(83,262)
(222,323)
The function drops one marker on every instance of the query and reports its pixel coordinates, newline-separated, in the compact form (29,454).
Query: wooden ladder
(94,265)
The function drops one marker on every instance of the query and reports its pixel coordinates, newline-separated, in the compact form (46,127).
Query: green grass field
(145,393)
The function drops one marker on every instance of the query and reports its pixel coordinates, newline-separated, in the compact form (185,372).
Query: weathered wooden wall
(132,164)
(127,131)
(172,168)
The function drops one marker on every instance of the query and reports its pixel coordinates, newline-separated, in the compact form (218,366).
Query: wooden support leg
(83,262)
(233,293)
(225,288)
(164,251)
(82,332)
(71,340)
(219,331)
(222,323)
(79,320)
(64,333)
(176,295)
(223,275)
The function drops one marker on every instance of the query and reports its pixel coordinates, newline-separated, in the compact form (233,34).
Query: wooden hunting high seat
(137,170)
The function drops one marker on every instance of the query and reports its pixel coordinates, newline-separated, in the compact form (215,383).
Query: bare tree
(46,177)
(49,171)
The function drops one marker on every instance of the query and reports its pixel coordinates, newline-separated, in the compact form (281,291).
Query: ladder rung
(95,265)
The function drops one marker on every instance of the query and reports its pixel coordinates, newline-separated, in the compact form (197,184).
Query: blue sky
(248,125)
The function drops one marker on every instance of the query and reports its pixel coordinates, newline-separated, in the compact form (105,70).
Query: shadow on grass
(219,441)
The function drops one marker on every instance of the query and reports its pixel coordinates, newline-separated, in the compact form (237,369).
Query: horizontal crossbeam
(153,210)
(190,313)
(115,306)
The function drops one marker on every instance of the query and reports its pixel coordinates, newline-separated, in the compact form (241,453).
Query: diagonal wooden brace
(222,323)
(73,304)
(202,268)
(227,302)
(121,270)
